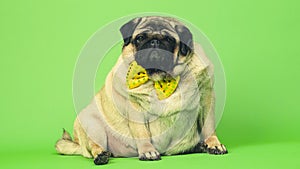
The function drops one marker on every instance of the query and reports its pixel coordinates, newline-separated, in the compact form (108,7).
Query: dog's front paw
(213,146)
(218,149)
(102,158)
(150,156)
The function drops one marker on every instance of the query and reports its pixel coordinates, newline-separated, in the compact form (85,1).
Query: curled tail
(66,145)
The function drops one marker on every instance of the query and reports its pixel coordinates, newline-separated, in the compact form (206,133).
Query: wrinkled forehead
(156,26)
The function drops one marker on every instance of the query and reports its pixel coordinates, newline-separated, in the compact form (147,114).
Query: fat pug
(157,100)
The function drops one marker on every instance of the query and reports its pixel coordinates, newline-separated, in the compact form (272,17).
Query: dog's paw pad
(217,150)
(102,158)
(150,156)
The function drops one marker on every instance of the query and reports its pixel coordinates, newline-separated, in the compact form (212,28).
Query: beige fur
(136,123)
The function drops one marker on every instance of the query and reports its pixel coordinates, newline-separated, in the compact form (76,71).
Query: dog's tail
(66,145)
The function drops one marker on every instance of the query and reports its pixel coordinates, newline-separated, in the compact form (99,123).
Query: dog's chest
(169,120)
(144,99)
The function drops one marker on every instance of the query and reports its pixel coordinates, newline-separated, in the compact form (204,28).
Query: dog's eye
(139,38)
(169,39)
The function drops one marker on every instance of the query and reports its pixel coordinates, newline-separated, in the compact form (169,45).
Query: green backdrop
(257,41)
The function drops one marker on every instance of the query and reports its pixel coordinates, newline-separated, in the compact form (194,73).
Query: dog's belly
(179,137)
(175,130)
(170,135)
(172,126)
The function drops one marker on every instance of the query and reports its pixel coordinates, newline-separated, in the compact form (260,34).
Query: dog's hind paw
(102,158)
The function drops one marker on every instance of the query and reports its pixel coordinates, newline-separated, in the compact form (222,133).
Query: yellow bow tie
(137,76)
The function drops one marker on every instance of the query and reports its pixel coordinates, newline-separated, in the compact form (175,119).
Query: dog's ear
(186,39)
(128,29)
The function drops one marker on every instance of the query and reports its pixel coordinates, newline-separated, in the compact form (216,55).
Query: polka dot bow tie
(137,76)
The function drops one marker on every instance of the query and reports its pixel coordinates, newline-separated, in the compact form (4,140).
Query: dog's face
(161,45)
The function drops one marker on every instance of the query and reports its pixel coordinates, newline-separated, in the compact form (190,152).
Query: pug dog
(157,100)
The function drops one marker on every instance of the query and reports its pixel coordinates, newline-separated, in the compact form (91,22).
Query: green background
(257,41)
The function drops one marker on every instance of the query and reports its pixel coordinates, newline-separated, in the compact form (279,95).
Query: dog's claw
(150,156)
(217,150)
(213,146)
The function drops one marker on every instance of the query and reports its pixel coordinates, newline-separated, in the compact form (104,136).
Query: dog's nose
(154,43)
(154,56)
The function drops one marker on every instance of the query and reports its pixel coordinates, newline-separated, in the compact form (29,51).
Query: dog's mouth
(152,71)
(157,74)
